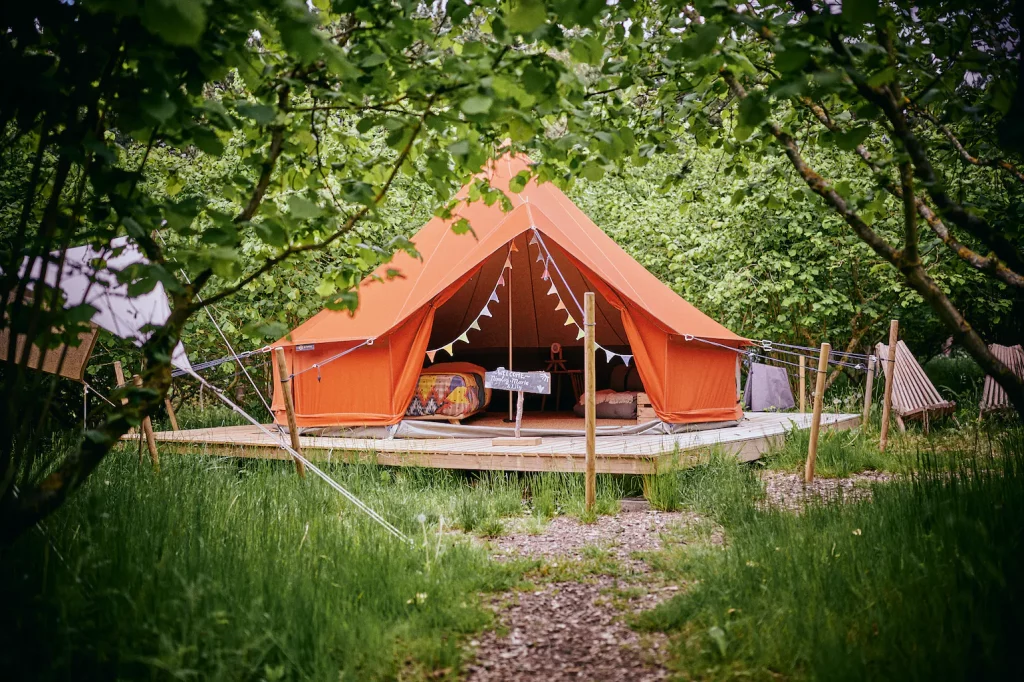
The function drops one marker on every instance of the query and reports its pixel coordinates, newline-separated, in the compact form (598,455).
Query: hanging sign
(305,346)
(527,382)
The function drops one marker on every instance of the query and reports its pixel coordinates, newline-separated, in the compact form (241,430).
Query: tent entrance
(515,311)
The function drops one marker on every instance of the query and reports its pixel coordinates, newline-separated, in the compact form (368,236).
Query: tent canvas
(437,297)
(118,312)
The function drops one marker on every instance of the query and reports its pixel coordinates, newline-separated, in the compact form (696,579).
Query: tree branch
(989,265)
(962,151)
(914,274)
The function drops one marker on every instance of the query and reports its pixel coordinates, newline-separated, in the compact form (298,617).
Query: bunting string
(543,255)
(449,347)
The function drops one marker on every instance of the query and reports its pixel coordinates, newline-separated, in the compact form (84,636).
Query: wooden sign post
(289,408)
(590,399)
(520,383)
(868,388)
(819,395)
(890,374)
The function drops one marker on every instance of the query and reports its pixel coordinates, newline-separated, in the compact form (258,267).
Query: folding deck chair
(913,394)
(993,397)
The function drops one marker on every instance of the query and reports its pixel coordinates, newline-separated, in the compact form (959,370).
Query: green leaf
(271,232)
(302,208)
(460,148)
(477,104)
(525,16)
(849,139)
(261,113)
(176,22)
(860,11)
(792,59)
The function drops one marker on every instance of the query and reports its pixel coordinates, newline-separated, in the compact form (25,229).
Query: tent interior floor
(615,454)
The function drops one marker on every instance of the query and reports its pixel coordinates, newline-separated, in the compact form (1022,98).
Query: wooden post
(890,375)
(803,384)
(819,391)
(119,376)
(510,415)
(289,408)
(170,414)
(147,432)
(590,402)
(519,413)
(868,388)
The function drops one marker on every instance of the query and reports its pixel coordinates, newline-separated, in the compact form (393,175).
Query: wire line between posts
(359,504)
(318,365)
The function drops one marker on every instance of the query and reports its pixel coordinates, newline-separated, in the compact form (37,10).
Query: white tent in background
(119,313)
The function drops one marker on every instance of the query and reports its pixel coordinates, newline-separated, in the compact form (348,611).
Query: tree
(894,86)
(100,96)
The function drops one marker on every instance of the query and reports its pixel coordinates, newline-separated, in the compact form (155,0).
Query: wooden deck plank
(615,454)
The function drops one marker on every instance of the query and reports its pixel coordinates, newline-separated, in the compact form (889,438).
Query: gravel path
(788,490)
(575,630)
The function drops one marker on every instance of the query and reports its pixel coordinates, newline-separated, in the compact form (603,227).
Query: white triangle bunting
(626,359)
(553,290)
(580,333)
(485,312)
(561,305)
(608,355)
(508,263)
(475,324)
(494,297)
(533,239)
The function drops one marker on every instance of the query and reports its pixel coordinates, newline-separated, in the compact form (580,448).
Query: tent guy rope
(359,504)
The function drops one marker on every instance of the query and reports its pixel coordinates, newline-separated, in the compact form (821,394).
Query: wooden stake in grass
(119,376)
(868,388)
(894,332)
(590,401)
(170,413)
(147,432)
(289,408)
(803,384)
(819,395)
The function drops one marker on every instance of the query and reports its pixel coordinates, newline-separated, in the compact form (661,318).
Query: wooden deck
(615,454)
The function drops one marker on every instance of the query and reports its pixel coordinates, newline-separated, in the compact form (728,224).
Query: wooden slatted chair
(993,397)
(913,394)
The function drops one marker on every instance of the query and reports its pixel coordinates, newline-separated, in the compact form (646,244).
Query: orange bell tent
(437,298)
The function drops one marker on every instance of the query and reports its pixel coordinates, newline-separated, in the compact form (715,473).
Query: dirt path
(788,490)
(569,630)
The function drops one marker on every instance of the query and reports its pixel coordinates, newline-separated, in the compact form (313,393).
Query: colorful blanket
(451,390)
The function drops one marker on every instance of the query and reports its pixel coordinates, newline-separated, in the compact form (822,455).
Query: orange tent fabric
(437,296)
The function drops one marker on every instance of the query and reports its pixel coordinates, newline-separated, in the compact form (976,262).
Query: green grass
(920,583)
(217,569)
(840,453)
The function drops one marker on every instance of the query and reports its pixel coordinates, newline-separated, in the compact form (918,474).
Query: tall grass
(217,569)
(920,583)
(840,453)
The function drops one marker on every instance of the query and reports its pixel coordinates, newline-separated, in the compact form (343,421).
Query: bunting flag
(626,359)
(514,248)
(569,321)
(546,275)
(540,256)
(608,355)
(533,238)
(508,262)
(580,333)
(475,324)
(553,290)
(560,306)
